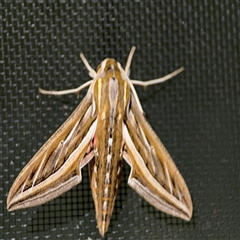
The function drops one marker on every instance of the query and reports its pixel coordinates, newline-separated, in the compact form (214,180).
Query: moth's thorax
(111,90)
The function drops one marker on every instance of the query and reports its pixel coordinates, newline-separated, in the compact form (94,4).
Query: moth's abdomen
(106,171)
(105,185)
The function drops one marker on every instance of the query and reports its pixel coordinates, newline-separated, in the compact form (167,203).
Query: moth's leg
(92,73)
(129,60)
(158,80)
(69,91)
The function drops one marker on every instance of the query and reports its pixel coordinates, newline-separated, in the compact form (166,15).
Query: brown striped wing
(154,176)
(56,167)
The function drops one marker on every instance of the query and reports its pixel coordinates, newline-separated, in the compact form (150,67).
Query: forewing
(153,175)
(56,167)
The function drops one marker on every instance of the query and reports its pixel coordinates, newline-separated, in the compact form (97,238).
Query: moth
(106,128)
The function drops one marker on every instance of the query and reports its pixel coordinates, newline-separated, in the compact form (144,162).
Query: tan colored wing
(56,167)
(153,175)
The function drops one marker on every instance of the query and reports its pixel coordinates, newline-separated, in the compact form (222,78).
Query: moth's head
(109,64)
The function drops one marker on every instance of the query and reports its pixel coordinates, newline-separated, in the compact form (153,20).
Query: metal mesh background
(196,114)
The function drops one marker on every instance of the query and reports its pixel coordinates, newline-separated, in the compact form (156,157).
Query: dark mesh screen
(196,114)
